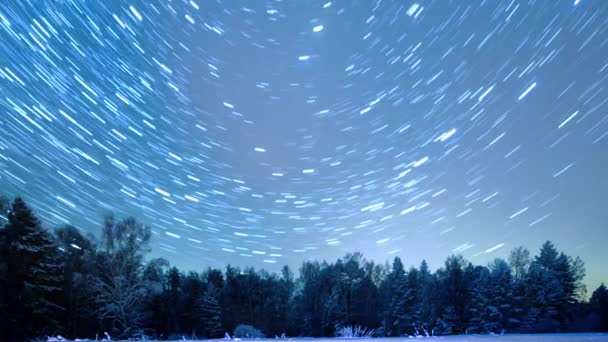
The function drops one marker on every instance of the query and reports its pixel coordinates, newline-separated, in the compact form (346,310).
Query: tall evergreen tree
(401,299)
(175,301)
(155,304)
(599,305)
(4,209)
(492,296)
(547,258)
(187,304)
(543,292)
(33,283)
(429,300)
(351,282)
(414,301)
(456,296)
(554,285)
(308,297)
(77,254)
(211,313)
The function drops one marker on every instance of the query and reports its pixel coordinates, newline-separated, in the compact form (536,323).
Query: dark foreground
(476,338)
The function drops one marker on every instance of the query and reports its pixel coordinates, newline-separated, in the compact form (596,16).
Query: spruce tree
(413,301)
(544,292)
(554,285)
(33,271)
(211,313)
(77,254)
(396,295)
(599,305)
(492,295)
(456,295)
(400,297)
(4,207)
(427,311)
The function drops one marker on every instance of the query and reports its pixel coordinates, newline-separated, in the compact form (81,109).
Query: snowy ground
(592,337)
(514,338)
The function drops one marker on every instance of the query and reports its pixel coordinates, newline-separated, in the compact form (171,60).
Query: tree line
(76,285)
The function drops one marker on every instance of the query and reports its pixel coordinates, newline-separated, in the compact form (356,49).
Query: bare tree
(519,260)
(119,285)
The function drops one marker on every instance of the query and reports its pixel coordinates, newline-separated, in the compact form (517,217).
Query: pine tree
(154,304)
(492,293)
(548,256)
(175,300)
(413,301)
(333,315)
(211,313)
(500,292)
(599,305)
(33,271)
(396,294)
(4,207)
(479,303)
(77,257)
(427,309)
(456,295)
(554,285)
(544,292)
(402,304)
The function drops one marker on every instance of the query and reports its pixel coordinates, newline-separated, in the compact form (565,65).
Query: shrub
(247,331)
(356,331)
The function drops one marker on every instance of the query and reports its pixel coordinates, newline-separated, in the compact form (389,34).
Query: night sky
(263,133)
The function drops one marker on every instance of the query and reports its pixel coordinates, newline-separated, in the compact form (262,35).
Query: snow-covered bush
(356,331)
(247,331)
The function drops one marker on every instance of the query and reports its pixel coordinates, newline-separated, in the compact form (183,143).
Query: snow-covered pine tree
(211,313)
(428,298)
(397,298)
(402,299)
(491,303)
(332,313)
(455,280)
(554,285)
(33,281)
(479,303)
(543,293)
(413,302)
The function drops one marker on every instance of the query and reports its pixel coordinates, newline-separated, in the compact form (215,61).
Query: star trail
(264,133)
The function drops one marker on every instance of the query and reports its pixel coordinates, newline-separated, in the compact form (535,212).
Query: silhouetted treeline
(81,286)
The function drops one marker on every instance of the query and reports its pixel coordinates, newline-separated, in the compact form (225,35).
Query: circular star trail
(265,133)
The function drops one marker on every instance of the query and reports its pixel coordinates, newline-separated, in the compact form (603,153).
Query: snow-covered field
(592,337)
(513,338)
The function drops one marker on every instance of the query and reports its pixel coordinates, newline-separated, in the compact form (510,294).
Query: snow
(583,337)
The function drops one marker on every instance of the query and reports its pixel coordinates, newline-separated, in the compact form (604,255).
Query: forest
(69,283)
